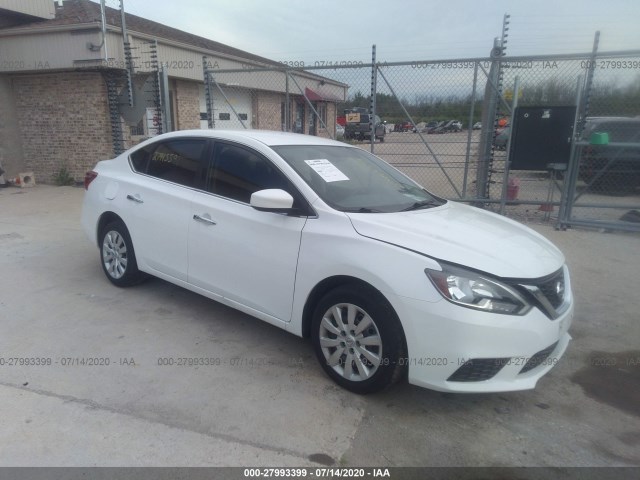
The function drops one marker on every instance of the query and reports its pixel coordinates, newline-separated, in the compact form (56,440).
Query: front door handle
(203,219)
(135,198)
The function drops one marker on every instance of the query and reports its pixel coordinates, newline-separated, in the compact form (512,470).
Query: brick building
(65,76)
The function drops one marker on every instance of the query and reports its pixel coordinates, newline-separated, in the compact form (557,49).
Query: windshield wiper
(422,204)
(361,210)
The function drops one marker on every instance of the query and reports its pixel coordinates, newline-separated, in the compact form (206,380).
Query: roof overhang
(314,96)
(43,9)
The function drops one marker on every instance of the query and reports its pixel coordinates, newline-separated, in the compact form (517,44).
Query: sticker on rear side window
(327,170)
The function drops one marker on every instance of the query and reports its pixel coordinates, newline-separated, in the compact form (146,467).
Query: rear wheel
(358,339)
(117,256)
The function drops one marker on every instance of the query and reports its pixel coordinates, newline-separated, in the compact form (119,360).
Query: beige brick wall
(331,122)
(63,119)
(187,105)
(268,113)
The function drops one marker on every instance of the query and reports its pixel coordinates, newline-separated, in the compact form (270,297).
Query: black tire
(117,257)
(338,349)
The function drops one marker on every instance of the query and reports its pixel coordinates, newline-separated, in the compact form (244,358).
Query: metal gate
(447,124)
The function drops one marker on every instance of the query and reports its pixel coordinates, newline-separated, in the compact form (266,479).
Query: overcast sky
(403,30)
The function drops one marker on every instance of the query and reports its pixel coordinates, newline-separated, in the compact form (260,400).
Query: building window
(285,117)
(322,112)
(137,130)
(224,116)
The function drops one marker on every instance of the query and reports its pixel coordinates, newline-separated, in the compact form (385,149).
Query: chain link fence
(604,181)
(450,125)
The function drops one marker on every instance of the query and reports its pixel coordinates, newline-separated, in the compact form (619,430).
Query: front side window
(238,172)
(352,180)
(176,161)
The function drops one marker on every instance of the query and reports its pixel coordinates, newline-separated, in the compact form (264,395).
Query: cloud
(402,31)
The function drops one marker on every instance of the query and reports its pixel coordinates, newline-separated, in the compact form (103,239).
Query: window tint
(140,158)
(177,161)
(238,172)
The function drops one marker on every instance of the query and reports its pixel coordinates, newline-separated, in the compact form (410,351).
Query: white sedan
(329,242)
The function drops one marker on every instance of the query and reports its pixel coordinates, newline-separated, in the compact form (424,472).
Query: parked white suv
(330,242)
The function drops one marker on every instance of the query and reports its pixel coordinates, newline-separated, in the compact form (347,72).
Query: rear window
(357,118)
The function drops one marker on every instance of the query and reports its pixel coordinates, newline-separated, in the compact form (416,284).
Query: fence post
(490,104)
(469,132)
(571,174)
(167,121)
(372,102)
(207,93)
(507,160)
(287,105)
(585,104)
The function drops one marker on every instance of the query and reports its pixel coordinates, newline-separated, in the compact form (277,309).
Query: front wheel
(117,256)
(358,339)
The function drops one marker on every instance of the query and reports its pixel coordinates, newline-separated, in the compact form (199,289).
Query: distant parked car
(477,126)
(357,126)
(435,128)
(404,127)
(612,168)
(502,137)
(452,126)
(419,127)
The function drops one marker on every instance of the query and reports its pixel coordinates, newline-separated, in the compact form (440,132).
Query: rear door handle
(135,198)
(203,219)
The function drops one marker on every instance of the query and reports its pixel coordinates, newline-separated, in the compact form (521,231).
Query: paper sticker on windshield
(327,170)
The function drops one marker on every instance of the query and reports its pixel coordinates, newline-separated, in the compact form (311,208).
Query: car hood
(466,236)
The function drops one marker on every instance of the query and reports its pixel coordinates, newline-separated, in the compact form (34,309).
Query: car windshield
(352,180)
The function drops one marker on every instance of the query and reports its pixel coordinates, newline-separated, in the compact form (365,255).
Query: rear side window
(238,172)
(140,158)
(176,161)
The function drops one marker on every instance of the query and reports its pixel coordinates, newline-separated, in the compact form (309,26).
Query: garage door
(223,113)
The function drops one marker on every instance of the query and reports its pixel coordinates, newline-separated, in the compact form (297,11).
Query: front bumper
(456,349)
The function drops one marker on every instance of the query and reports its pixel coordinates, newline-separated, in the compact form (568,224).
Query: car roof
(267,137)
(612,119)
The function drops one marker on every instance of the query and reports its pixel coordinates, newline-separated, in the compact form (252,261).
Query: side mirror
(272,200)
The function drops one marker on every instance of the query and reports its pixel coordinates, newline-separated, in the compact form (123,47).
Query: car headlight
(474,290)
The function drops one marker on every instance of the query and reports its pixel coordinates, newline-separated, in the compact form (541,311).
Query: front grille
(538,358)
(553,289)
(478,369)
(547,293)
